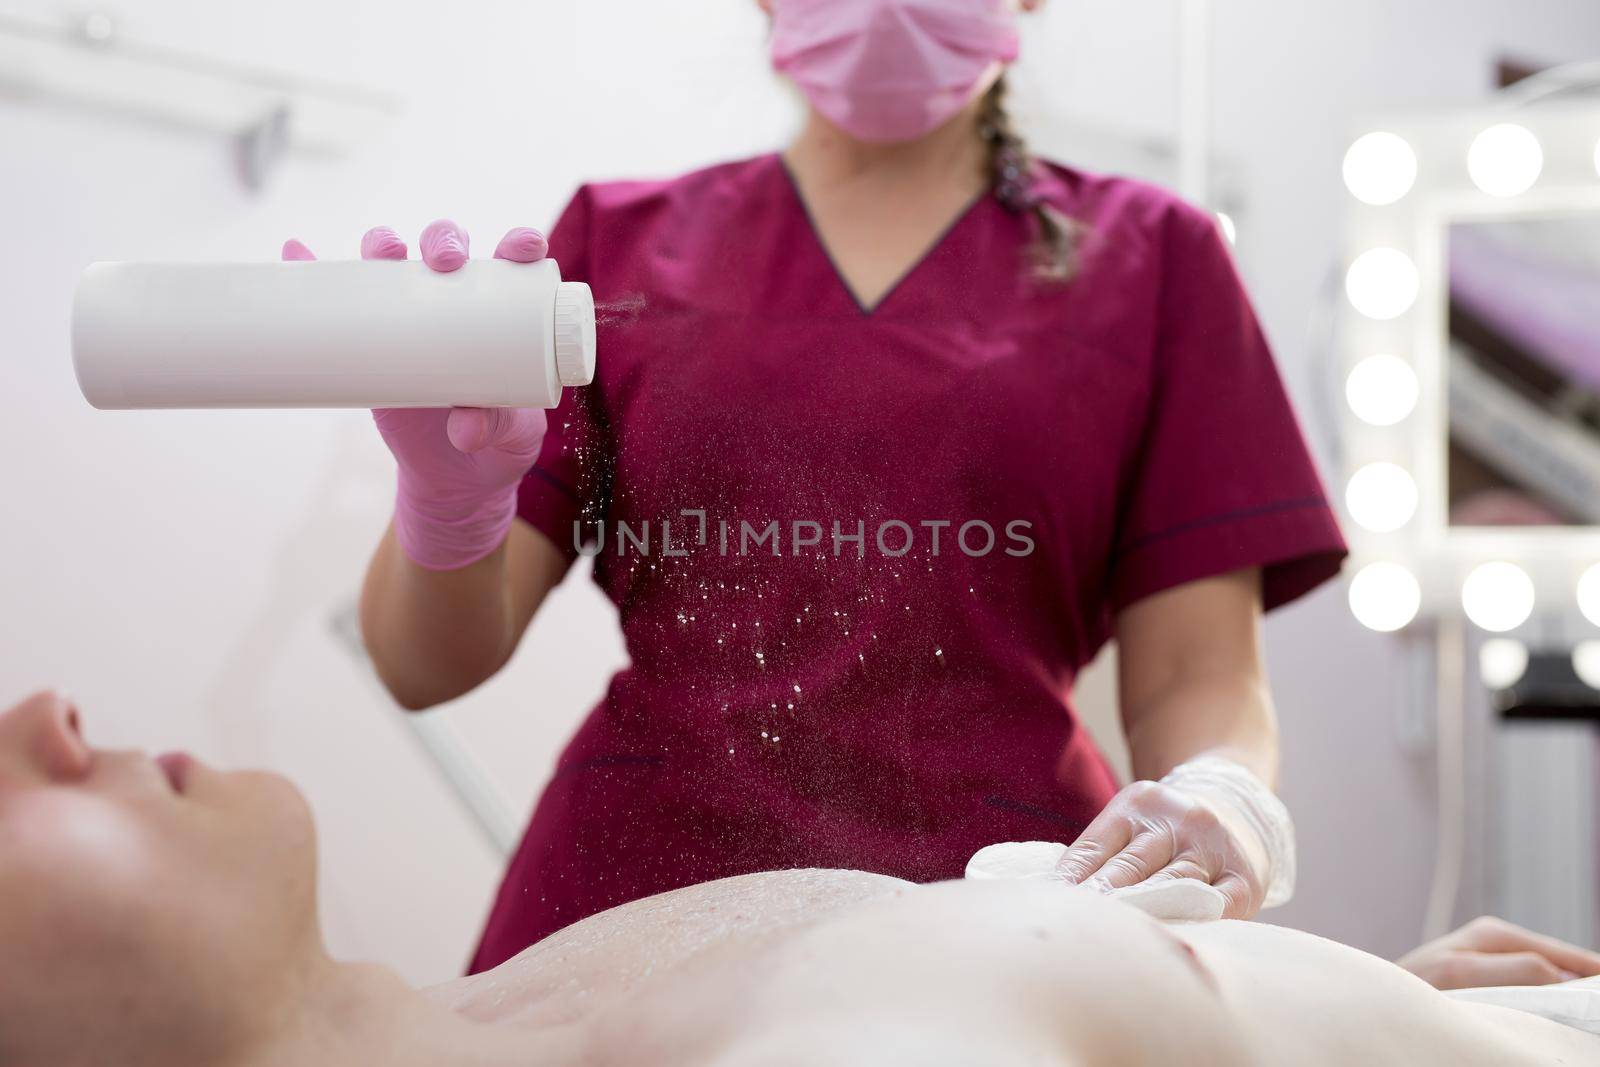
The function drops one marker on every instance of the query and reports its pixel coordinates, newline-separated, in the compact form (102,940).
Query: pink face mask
(892,70)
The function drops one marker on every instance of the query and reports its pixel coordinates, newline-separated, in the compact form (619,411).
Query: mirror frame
(1418,225)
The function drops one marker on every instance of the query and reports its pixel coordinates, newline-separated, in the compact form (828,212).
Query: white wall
(177,572)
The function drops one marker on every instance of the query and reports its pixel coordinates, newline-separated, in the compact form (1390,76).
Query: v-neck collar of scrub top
(912,269)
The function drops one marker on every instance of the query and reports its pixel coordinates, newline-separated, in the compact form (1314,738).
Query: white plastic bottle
(330,334)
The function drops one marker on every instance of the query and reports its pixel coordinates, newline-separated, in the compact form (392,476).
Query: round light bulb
(1380,169)
(1382,390)
(1383,283)
(1230,229)
(1498,596)
(1586,663)
(1589,594)
(1505,160)
(1502,661)
(1384,596)
(1382,497)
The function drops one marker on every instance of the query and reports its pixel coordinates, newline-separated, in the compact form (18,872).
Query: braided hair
(1055,249)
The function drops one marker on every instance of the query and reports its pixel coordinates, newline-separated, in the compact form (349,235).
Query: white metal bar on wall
(87,62)
(478,790)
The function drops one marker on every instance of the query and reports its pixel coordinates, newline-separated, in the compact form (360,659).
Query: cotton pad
(1015,859)
(1172,900)
(1176,900)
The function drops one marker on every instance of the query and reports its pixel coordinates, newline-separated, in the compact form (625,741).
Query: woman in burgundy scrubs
(902,426)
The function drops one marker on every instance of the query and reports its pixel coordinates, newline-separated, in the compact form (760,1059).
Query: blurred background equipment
(85,60)
(1470,442)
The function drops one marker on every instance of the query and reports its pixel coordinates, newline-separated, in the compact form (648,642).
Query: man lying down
(161,912)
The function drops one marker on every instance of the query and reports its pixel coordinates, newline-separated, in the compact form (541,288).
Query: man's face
(141,900)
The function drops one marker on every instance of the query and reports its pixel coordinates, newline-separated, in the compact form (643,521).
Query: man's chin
(260,796)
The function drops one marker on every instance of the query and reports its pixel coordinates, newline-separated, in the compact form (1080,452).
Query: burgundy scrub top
(888,703)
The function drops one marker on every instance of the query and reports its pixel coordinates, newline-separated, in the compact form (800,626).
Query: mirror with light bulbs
(1470,357)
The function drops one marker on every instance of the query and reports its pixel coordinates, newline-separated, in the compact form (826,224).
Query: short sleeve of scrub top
(1223,478)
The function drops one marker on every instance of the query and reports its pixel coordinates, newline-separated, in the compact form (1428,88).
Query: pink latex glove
(459,467)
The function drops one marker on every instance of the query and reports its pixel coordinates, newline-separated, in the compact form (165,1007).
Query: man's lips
(176,766)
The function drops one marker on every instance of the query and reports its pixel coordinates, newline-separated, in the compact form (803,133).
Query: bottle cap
(574,333)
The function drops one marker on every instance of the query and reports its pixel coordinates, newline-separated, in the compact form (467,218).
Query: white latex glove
(1170,900)
(1210,819)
